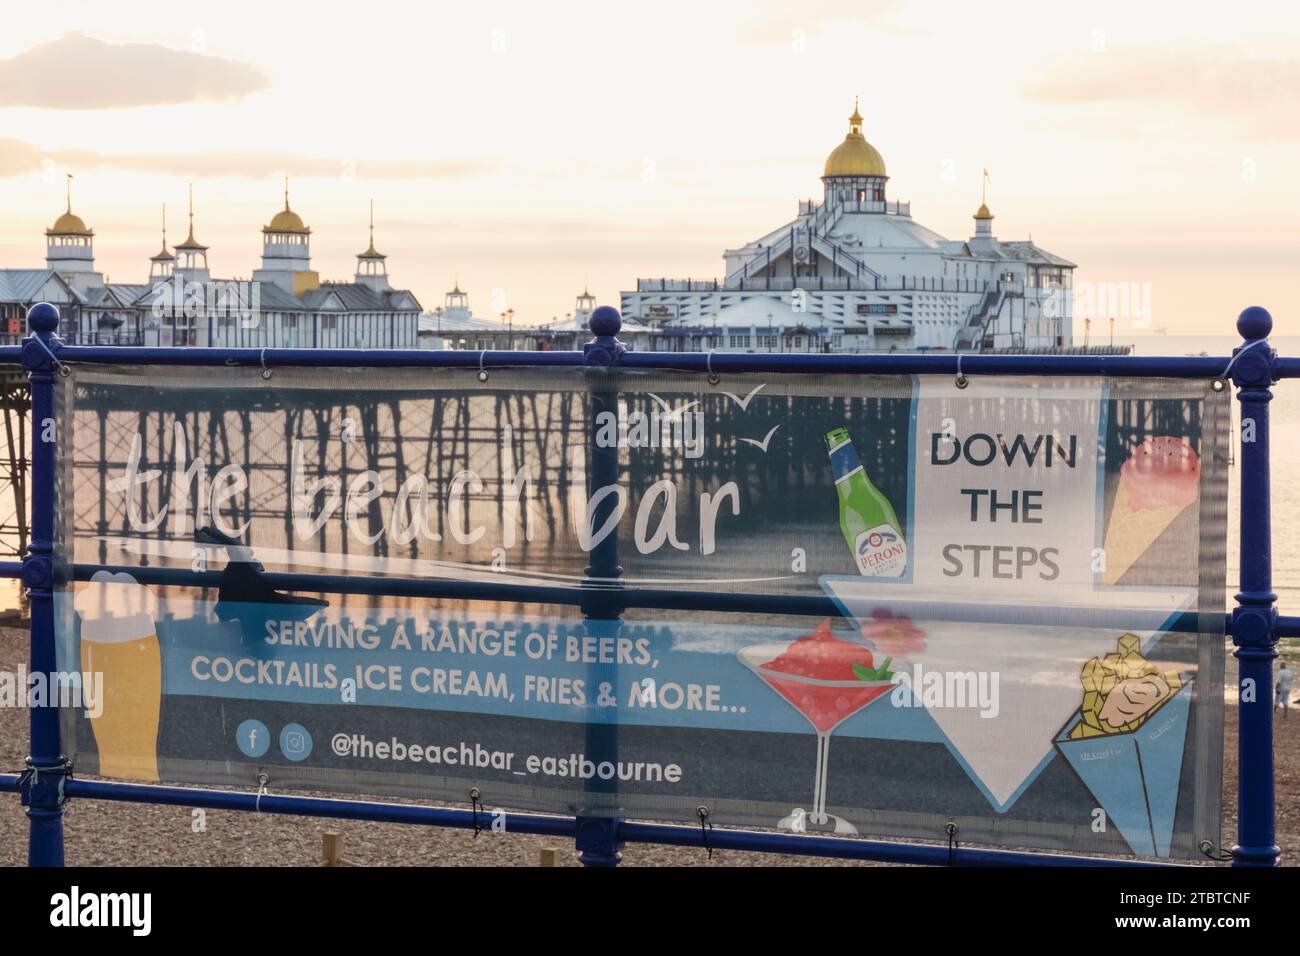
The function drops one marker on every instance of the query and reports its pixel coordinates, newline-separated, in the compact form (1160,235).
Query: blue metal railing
(1254,623)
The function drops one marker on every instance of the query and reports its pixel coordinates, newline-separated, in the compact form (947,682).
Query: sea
(1284,450)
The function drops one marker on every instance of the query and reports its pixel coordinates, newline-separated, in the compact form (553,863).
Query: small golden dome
(191,244)
(983,212)
(855,156)
(69,224)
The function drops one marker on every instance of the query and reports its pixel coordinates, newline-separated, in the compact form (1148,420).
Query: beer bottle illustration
(867,519)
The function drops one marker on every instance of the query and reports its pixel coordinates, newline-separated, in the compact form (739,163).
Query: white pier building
(856,272)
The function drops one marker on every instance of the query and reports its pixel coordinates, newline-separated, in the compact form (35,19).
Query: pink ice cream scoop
(1162,472)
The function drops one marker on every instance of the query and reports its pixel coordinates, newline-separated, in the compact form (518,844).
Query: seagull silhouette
(766,439)
(744,402)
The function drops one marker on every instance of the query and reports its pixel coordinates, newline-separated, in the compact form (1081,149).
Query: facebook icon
(252,738)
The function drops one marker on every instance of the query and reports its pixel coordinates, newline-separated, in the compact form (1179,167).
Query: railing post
(42,781)
(1254,619)
(597,838)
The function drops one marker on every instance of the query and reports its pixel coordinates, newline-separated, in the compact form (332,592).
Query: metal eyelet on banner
(482,372)
(1218,384)
(1212,852)
(266,372)
(962,380)
(714,378)
(262,781)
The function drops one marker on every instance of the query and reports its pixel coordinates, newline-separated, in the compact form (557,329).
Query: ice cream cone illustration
(119,641)
(1126,743)
(1160,479)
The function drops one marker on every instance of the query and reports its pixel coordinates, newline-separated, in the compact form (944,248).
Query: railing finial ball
(1254,322)
(43,317)
(605,320)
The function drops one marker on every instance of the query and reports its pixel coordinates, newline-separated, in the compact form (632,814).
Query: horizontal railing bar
(625,597)
(543,825)
(891,363)
(881,851)
(320,358)
(1125,366)
(658,598)
(615,599)
(1128,366)
(304,806)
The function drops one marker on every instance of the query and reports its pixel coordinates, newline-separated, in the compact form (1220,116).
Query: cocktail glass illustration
(828,680)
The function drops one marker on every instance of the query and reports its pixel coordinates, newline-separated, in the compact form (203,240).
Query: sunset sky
(528,148)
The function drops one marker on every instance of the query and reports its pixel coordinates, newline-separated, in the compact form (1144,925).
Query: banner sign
(636,594)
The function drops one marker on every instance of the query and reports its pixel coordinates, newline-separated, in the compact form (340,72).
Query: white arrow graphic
(1037,653)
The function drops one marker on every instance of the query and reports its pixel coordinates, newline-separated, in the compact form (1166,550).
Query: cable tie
(64,370)
(705,827)
(1240,352)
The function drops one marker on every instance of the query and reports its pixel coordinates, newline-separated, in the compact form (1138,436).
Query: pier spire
(162,262)
(371,268)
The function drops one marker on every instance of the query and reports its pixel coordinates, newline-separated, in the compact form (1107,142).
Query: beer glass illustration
(119,642)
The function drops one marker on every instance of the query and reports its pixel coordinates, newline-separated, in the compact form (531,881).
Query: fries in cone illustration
(119,641)
(1160,479)
(1121,691)
(1126,743)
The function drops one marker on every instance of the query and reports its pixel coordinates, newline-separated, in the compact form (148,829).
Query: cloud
(1255,95)
(18,158)
(77,72)
(779,21)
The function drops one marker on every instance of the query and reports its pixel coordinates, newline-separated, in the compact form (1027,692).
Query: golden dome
(286,220)
(855,156)
(69,224)
(983,212)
